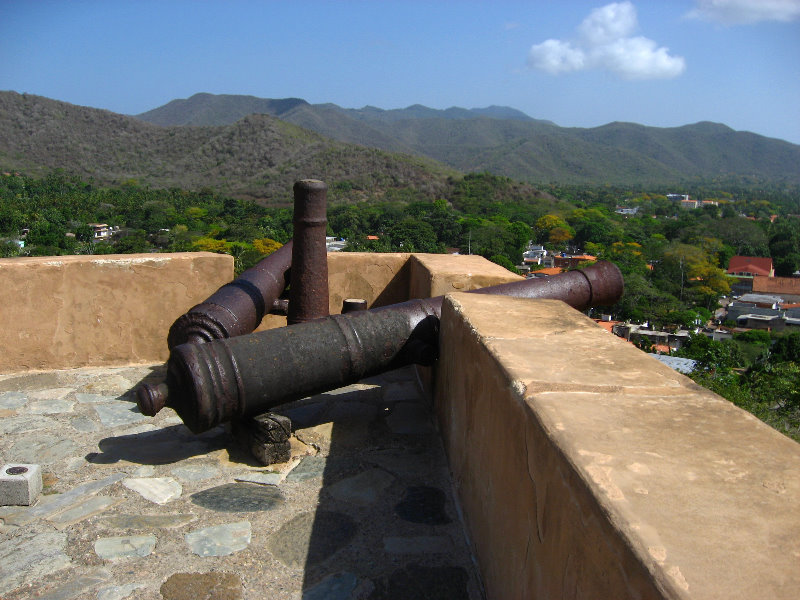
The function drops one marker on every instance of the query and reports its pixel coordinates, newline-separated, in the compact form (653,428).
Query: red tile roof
(750,264)
(607,325)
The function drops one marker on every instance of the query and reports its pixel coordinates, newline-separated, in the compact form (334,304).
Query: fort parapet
(583,467)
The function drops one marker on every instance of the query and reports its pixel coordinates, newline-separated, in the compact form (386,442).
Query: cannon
(237,307)
(228,379)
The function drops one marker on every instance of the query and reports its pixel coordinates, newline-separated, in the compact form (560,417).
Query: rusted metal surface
(226,379)
(308,295)
(280,307)
(237,307)
(353,304)
(208,384)
(600,284)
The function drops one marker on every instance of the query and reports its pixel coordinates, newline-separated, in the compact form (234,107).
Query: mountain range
(505,141)
(258,156)
(256,148)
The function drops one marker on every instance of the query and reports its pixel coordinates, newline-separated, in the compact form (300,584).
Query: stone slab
(310,538)
(239,497)
(220,540)
(159,490)
(363,489)
(59,502)
(31,557)
(116,415)
(129,546)
(147,521)
(88,508)
(202,586)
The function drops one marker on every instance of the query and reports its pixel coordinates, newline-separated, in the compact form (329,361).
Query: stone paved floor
(135,507)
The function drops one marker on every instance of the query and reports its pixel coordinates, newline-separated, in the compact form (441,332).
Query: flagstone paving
(138,507)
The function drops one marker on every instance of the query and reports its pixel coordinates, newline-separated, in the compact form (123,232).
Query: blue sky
(578,63)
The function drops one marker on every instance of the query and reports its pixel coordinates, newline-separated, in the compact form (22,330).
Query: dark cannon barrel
(211,383)
(308,296)
(237,307)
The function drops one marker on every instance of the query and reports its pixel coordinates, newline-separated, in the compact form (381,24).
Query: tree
(628,256)
(593,225)
(712,355)
(784,246)
(411,235)
(266,246)
(501,260)
(133,242)
(546,224)
(787,348)
(47,234)
(559,236)
(690,272)
(207,244)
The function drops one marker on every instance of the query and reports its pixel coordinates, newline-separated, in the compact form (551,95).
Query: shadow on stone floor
(385,526)
(158,447)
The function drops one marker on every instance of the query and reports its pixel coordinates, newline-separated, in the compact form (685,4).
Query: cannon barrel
(308,296)
(211,383)
(237,307)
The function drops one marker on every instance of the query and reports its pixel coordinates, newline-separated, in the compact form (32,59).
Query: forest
(673,259)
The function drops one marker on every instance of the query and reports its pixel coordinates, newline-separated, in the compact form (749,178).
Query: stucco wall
(389,278)
(70,311)
(440,274)
(380,279)
(587,469)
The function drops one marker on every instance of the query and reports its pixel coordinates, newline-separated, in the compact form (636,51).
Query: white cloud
(609,23)
(555,57)
(745,12)
(606,41)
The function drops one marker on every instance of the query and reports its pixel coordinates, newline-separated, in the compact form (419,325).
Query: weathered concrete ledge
(586,469)
(383,279)
(73,311)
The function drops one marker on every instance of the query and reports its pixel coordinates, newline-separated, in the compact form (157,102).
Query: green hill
(258,156)
(507,142)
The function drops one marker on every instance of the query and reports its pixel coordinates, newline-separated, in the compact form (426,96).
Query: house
(787,288)
(751,266)
(102,231)
(335,244)
(682,365)
(566,261)
(745,268)
(754,321)
(760,301)
(547,272)
(627,211)
(678,197)
(534,255)
(662,340)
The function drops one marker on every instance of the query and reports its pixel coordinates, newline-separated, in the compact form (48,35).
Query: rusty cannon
(238,307)
(227,379)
